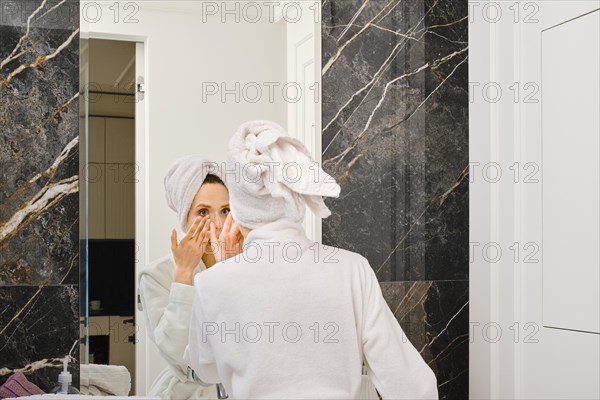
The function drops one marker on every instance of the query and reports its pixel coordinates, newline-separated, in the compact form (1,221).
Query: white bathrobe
(290,318)
(167,306)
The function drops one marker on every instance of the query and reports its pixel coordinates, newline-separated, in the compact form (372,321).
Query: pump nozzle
(66,362)
(65,378)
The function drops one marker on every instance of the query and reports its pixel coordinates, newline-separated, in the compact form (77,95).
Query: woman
(195,189)
(289,317)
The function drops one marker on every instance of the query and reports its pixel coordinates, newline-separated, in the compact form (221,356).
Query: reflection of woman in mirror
(196,191)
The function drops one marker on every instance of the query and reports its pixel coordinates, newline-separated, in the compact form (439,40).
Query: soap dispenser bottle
(64,379)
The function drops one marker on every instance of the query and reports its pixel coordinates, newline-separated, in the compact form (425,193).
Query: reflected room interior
(108,205)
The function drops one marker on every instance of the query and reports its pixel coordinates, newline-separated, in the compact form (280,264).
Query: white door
(570,162)
(560,134)
(304,95)
(537,125)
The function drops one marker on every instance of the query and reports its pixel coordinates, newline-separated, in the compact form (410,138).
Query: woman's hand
(230,241)
(189,251)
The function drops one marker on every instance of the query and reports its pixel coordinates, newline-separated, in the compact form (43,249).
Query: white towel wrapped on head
(183,180)
(272,175)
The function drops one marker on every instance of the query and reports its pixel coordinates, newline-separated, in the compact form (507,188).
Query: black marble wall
(395,135)
(39,200)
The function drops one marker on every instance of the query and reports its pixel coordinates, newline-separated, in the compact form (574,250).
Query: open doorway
(108,294)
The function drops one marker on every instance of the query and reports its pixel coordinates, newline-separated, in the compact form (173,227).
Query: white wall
(181,53)
(529,360)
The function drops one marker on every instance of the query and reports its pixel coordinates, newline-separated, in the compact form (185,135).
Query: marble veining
(39,325)
(39,189)
(395,136)
(433,315)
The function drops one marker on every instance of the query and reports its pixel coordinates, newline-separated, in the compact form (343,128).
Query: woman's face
(213,200)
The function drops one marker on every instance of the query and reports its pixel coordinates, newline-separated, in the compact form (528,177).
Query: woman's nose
(219,220)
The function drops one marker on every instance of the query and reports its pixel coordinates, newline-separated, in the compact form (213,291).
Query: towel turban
(272,175)
(183,180)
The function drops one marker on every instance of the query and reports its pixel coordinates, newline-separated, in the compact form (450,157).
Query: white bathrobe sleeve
(396,368)
(199,354)
(167,318)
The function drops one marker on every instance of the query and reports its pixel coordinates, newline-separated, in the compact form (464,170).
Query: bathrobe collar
(282,230)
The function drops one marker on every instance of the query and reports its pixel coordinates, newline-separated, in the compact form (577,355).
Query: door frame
(142,255)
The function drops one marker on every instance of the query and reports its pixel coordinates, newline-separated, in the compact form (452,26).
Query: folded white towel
(183,180)
(99,379)
(271,176)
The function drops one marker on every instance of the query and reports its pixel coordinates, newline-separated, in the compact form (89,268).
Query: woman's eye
(226,211)
(202,213)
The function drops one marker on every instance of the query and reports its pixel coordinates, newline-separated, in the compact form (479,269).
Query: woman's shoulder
(160,269)
(332,254)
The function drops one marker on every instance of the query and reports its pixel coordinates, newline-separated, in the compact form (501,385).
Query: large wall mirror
(160,80)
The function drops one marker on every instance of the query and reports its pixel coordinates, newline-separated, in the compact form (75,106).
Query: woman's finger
(205,238)
(204,232)
(201,226)
(237,233)
(226,225)
(236,230)
(194,226)
(173,239)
